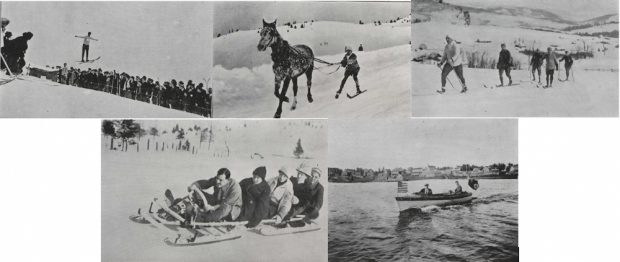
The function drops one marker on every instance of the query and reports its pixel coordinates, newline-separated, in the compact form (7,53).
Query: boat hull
(414,202)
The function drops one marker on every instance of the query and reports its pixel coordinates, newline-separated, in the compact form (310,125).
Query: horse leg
(282,97)
(309,83)
(294,106)
(276,92)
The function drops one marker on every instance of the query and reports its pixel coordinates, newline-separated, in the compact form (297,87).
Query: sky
(575,10)
(158,39)
(249,15)
(421,142)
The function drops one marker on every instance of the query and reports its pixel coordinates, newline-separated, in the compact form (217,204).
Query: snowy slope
(157,39)
(593,93)
(239,49)
(131,179)
(246,90)
(33,97)
(433,35)
(243,92)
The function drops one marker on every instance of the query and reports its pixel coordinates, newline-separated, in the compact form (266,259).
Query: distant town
(494,171)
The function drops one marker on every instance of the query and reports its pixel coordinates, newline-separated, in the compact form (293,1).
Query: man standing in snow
(536,64)
(504,63)
(552,65)
(568,63)
(352,68)
(64,75)
(86,45)
(452,58)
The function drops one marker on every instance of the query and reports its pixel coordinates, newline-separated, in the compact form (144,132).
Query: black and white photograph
(522,58)
(311,59)
(219,190)
(106,59)
(423,190)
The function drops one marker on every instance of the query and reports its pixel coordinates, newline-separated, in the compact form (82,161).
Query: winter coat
(568,60)
(452,54)
(350,62)
(255,201)
(552,61)
(308,195)
(281,195)
(505,60)
(230,194)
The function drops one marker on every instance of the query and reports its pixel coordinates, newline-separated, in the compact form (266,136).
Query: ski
(289,229)
(89,61)
(513,84)
(359,93)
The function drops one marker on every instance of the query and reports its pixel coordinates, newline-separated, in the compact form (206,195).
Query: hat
(316,170)
(425,184)
(303,168)
(260,171)
(283,170)
(347,48)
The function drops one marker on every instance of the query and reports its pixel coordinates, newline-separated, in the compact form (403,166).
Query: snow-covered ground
(593,93)
(32,97)
(131,179)
(246,90)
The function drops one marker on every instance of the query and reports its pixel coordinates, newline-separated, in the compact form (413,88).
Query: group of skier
(175,95)
(255,198)
(452,59)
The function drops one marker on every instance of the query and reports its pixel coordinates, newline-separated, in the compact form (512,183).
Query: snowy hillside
(131,179)
(239,49)
(594,91)
(133,37)
(247,91)
(39,98)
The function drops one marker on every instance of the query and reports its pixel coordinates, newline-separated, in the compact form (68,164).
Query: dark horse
(289,62)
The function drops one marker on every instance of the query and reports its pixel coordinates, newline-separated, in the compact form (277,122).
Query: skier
(504,63)
(536,64)
(86,45)
(453,60)
(552,65)
(360,48)
(568,63)
(352,68)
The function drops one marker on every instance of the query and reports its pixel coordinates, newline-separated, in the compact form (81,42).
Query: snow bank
(33,97)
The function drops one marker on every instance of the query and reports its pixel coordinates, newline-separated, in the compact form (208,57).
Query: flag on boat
(402,187)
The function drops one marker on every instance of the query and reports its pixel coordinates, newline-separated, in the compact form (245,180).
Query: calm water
(365,225)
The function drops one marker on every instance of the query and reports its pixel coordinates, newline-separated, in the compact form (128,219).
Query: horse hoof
(284,99)
(310,100)
(277,115)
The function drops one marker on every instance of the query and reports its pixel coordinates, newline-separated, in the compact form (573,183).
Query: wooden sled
(269,230)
